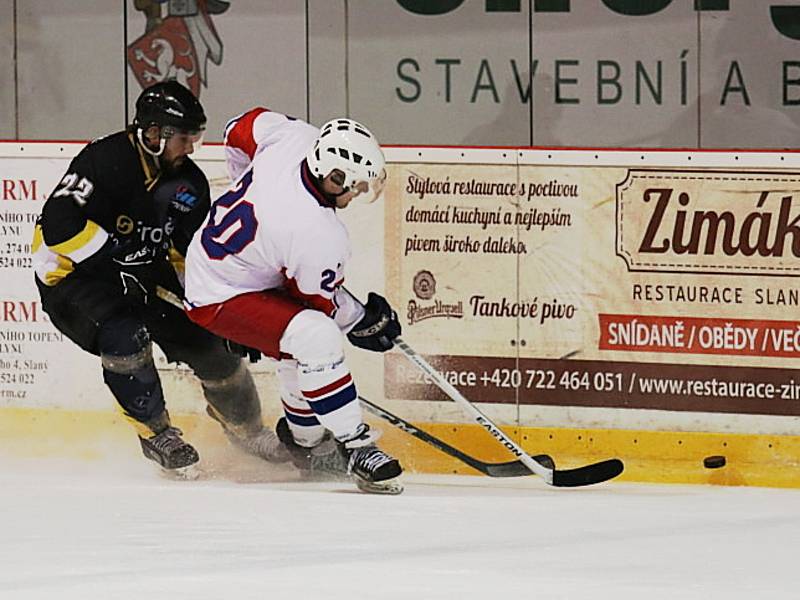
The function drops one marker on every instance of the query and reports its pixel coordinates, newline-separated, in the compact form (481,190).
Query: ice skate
(262,444)
(373,470)
(322,461)
(176,456)
(255,439)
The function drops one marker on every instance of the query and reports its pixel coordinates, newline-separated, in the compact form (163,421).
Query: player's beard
(170,166)
(330,199)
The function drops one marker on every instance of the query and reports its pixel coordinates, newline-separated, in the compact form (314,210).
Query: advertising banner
(595,73)
(598,286)
(31,349)
(40,366)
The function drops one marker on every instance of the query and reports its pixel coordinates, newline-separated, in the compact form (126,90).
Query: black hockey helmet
(169,105)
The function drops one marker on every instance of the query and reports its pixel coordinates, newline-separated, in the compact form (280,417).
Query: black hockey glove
(252,354)
(377,330)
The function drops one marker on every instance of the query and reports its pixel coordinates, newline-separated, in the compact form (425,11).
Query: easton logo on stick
(498,435)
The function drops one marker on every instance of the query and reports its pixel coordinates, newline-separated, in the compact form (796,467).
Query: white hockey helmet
(350,147)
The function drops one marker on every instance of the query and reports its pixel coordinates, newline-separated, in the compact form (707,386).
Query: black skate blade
(588,474)
(388,487)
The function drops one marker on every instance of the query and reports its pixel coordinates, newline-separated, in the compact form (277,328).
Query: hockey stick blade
(514,468)
(588,474)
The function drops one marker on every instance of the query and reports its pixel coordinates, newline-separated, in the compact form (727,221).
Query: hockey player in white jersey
(266,270)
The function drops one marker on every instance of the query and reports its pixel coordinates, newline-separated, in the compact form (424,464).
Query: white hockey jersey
(272,228)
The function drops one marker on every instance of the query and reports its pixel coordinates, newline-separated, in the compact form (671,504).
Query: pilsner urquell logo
(424,286)
(721,222)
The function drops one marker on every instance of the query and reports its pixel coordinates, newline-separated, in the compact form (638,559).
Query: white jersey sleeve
(248,134)
(349,310)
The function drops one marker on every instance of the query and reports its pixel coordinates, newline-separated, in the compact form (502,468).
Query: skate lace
(168,440)
(370,459)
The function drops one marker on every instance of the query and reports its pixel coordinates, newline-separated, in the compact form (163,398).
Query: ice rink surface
(121,531)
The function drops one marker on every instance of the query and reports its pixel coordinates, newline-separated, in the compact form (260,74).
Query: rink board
(546,284)
(649,456)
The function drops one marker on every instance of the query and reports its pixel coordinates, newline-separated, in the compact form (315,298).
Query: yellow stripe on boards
(649,456)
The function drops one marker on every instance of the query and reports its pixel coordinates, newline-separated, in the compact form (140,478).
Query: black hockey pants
(99,318)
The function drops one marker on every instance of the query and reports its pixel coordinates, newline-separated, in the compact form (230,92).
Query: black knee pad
(128,368)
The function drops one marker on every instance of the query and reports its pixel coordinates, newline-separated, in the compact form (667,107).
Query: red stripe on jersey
(315,301)
(297,411)
(241,134)
(331,387)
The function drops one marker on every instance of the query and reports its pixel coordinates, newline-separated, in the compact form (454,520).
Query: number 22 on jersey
(232,222)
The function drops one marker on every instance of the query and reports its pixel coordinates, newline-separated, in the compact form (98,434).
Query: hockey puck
(714,462)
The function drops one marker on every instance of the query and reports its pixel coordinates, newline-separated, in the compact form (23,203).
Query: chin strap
(161,144)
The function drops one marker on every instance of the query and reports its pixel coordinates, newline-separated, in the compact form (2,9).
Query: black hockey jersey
(115,209)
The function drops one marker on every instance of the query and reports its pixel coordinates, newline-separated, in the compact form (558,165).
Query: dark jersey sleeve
(65,223)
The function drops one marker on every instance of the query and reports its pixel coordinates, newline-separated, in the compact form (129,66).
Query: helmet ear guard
(348,146)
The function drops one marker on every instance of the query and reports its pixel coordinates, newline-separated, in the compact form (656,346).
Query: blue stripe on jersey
(230,125)
(302,421)
(330,403)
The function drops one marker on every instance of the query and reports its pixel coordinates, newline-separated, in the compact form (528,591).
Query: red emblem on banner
(165,53)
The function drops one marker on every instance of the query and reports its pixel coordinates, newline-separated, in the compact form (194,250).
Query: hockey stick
(586,475)
(514,468)
(169,297)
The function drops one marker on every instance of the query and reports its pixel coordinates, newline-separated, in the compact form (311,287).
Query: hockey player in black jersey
(113,232)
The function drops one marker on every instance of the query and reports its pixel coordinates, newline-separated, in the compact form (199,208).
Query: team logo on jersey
(125,224)
(177,45)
